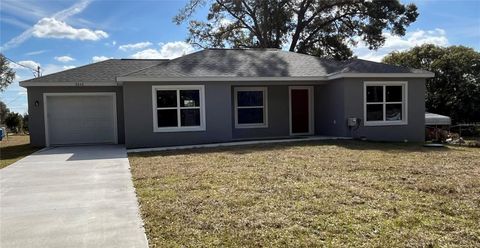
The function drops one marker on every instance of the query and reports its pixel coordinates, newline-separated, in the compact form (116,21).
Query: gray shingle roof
(105,71)
(220,63)
(260,63)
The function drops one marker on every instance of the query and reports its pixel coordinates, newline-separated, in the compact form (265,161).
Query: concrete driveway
(70,197)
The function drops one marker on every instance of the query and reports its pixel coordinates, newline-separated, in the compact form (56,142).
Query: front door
(301,110)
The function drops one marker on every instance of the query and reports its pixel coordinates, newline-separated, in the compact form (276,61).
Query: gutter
(256,79)
(75,84)
(120,80)
(382,75)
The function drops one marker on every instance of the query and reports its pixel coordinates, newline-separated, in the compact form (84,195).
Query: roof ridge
(187,55)
(123,75)
(144,59)
(242,49)
(311,56)
(381,63)
(74,68)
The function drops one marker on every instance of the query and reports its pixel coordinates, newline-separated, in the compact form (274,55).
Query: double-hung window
(250,107)
(385,103)
(178,108)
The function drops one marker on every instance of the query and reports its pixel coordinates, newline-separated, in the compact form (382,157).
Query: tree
(14,122)
(318,27)
(25,122)
(7,75)
(455,89)
(3,112)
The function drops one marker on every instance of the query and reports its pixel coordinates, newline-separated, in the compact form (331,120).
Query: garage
(80,118)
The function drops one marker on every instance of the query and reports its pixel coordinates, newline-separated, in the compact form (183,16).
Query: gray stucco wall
(338,100)
(414,131)
(139,114)
(37,122)
(278,122)
(219,108)
(334,102)
(329,109)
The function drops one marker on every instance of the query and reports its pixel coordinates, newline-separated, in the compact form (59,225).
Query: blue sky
(58,35)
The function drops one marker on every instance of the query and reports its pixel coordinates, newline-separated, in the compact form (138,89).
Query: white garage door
(88,118)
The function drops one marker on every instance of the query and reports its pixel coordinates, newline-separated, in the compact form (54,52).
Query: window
(385,103)
(178,108)
(250,107)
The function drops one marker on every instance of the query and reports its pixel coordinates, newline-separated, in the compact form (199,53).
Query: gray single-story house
(225,95)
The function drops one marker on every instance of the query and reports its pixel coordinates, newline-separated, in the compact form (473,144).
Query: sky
(63,34)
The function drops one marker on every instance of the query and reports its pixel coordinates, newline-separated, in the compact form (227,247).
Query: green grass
(337,194)
(14,148)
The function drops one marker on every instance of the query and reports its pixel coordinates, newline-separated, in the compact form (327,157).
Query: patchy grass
(14,148)
(338,193)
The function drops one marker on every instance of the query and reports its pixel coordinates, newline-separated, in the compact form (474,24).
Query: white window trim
(179,128)
(265,107)
(404,103)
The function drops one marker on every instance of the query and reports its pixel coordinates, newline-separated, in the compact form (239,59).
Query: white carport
(432,119)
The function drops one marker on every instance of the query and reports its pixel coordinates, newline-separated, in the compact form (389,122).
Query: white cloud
(35,52)
(396,43)
(168,50)
(52,68)
(96,59)
(28,63)
(24,8)
(23,73)
(53,28)
(26,70)
(64,59)
(147,54)
(135,46)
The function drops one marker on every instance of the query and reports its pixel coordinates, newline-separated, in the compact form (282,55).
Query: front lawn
(14,148)
(333,193)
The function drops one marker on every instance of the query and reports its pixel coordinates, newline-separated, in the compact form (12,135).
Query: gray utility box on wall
(353,122)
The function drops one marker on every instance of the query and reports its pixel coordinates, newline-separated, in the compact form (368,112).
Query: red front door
(300,111)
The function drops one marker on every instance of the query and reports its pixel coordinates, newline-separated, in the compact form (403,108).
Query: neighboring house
(220,95)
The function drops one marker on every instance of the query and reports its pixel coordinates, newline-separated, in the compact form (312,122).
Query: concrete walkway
(70,197)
